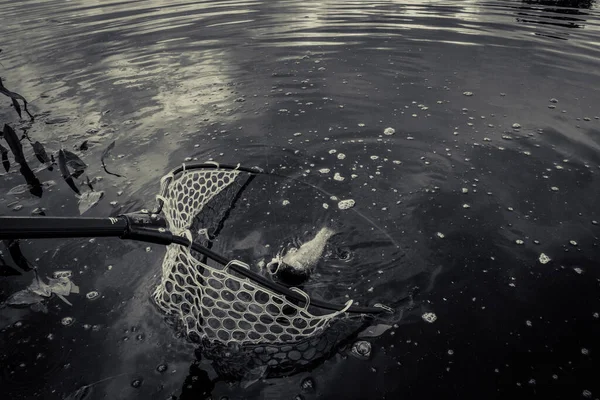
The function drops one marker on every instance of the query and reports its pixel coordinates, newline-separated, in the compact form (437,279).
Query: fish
(309,253)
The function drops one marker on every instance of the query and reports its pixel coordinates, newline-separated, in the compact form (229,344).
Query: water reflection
(560,13)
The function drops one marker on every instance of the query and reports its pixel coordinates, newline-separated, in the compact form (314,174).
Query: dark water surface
(500,100)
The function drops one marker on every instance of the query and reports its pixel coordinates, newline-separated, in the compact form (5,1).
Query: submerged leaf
(60,286)
(40,152)
(19,189)
(253,376)
(14,143)
(4,155)
(80,394)
(374,331)
(7,270)
(64,170)
(14,250)
(39,307)
(88,200)
(84,146)
(39,287)
(24,298)
(74,161)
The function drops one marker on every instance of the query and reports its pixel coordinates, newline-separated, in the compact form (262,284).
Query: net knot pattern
(210,302)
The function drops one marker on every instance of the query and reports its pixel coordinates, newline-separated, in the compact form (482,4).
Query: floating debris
(136,383)
(440,235)
(554,189)
(389,131)
(346,204)
(324,170)
(578,270)
(573,243)
(66,321)
(465,190)
(92,295)
(88,200)
(429,317)
(466,205)
(162,368)
(544,259)
(307,385)
(519,241)
(374,331)
(361,350)
(338,177)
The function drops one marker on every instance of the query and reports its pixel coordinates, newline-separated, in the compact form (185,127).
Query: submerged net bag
(212,302)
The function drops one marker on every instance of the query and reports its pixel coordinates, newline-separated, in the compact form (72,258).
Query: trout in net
(239,323)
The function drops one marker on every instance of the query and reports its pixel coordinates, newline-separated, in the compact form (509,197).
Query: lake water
(494,161)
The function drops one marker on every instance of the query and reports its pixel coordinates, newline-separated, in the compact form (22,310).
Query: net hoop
(212,303)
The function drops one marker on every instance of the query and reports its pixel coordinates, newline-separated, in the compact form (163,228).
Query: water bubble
(136,383)
(573,243)
(528,323)
(578,270)
(440,235)
(361,350)
(468,94)
(307,385)
(465,190)
(519,241)
(338,177)
(324,170)
(389,131)
(92,295)
(148,249)
(325,206)
(466,205)
(429,317)
(162,368)
(587,394)
(544,259)
(285,202)
(66,321)
(341,156)
(346,204)
(585,351)
(553,100)
(554,189)
(516,126)
(450,352)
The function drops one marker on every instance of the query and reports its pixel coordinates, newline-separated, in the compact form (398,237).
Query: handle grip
(61,227)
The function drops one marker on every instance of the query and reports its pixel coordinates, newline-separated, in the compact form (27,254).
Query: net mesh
(212,302)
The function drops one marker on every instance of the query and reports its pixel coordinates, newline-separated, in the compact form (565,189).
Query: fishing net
(211,302)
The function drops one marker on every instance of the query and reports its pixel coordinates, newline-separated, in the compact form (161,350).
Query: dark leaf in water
(40,152)
(4,155)
(14,250)
(7,270)
(84,146)
(104,155)
(35,186)
(17,107)
(75,162)
(64,170)
(14,143)
(89,183)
